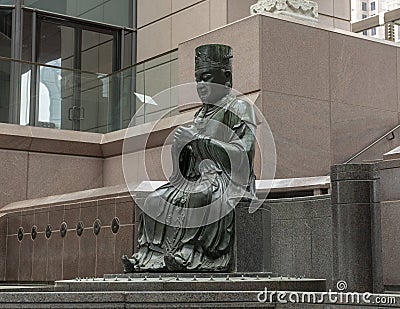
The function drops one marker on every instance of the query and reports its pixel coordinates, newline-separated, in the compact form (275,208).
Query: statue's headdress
(214,56)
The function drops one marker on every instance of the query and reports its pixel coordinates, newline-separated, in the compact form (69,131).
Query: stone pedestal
(252,236)
(253,239)
(356,227)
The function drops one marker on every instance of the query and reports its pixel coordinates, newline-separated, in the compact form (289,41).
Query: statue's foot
(172,264)
(129,267)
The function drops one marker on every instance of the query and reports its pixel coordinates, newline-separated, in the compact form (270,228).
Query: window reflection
(5,32)
(97,52)
(5,67)
(50,95)
(116,12)
(56,44)
(25,97)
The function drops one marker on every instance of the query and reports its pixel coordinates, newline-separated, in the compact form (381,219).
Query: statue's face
(212,84)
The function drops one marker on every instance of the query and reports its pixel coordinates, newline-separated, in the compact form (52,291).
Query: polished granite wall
(88,255)
(56,257)
(31,175)
(39,162)
(301,237)
(164,24)
(390,212)
(321,89)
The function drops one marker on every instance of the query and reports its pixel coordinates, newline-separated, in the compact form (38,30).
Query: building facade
(85,69)
(75,66)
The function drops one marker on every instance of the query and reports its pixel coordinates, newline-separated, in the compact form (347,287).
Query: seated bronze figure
(191,226)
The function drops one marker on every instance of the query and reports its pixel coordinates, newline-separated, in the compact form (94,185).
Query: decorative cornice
(299,9)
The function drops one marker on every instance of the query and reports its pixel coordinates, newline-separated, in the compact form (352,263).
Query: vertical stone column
(253,238)
(356,229)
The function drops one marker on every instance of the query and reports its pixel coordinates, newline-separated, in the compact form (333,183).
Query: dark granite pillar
(356,229)
(253,239)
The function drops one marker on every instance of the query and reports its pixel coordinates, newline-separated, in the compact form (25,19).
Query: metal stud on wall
(20,233)
(79,228)
(34,232)
(48,231)
(115,225)
(96,227)
(63,229)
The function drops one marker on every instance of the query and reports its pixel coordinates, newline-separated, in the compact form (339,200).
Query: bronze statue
(189,223)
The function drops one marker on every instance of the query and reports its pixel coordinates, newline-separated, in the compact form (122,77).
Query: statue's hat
(214,56)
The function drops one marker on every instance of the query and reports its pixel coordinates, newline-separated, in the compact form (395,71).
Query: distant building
(361,9)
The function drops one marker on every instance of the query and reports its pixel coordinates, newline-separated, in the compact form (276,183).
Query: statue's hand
(184,134)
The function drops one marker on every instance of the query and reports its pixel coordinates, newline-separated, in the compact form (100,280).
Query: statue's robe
(214,169)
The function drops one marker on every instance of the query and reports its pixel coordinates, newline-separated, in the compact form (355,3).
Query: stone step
(151,290)
(131,300)
(173,283)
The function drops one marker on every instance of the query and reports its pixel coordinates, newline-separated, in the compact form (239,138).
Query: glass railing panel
(157,80)
(139,95)
(146,83)
(5,90)
(160,75)
(51,92)
(71,100)
(25,75)
(54,97)
(130,83)
(94,103)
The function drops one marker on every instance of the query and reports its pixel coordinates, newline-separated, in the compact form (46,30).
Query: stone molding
(88,144)
(143,188)
(300,9)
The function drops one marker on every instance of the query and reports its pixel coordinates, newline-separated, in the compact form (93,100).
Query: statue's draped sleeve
(236,147)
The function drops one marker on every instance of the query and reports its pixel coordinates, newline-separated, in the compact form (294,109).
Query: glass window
(373,31)
(364,6)
(97,52)
(56,48)
(373,6)
(26,74)
(115,12)
(364,16)
(5,32)
(5,84)
(128,49)
(56,45)
(5,66)
(365,32)
(6,2)
(27,36)
(75,99)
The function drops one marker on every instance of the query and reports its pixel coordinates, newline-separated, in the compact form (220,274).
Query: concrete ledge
(169,283)
(276,185)
(293,184)
(144,188)
(44,140)
(393,154)
(16,137)
(389,164)
(80,196)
